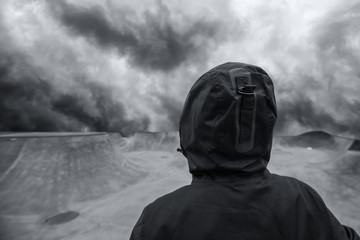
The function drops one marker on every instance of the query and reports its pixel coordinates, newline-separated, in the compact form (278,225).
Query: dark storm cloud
(137,62)
(331,112)
(151,41)
(29,103)
(172,108)
(304,111)
(337,105)
(110,114)
(338,41)
(22,101)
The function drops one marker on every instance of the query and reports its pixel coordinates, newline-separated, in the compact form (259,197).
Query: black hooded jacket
(226,132)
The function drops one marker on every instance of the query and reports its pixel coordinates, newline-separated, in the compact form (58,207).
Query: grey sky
(128,65)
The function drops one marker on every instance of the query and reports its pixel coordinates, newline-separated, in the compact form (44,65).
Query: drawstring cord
(182,151)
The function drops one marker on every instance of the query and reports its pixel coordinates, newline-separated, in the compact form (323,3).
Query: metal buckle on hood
(245,96)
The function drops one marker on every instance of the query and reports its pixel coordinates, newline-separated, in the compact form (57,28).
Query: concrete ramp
(10,150)
(94,186)
(349,164)
(42,175)
(45,176)
(153,141)
(355,145)
(316,140)
(49,174)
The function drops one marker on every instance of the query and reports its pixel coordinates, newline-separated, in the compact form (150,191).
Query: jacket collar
(243,178)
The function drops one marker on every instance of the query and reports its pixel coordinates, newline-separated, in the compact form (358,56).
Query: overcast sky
(127,66)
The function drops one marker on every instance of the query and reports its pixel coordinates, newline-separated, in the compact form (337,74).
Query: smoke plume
(151,41)
(29,103)
(128,65)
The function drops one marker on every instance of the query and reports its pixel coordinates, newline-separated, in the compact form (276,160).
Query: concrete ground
(109,179)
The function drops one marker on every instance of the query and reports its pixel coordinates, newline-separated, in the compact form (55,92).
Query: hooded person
(226,130)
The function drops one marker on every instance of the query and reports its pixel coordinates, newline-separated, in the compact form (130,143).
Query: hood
(227,122)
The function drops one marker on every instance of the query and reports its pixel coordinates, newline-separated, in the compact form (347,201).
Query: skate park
(91,185)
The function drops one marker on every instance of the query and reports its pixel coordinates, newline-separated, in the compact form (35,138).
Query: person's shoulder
(171,198)
(288,179)
(294,183)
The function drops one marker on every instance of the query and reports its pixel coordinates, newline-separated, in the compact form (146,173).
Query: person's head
(227,121)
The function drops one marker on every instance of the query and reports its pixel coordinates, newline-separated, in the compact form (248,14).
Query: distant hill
(314,139)
(355,146)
